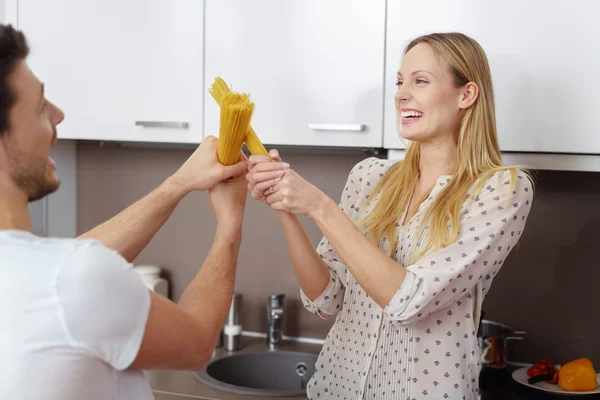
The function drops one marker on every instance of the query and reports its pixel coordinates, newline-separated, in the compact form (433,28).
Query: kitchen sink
(260,373)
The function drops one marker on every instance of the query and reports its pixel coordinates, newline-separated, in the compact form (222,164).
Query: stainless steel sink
(260,373)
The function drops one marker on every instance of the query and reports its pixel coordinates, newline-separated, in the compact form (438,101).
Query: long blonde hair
(478,154)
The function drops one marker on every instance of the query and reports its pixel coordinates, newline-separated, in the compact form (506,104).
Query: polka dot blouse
(423,344)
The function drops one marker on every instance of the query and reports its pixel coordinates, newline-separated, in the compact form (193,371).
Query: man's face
(26,145)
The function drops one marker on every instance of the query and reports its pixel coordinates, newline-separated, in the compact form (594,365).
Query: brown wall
(547,286)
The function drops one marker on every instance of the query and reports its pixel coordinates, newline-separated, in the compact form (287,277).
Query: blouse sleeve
(331,300)
(489,229)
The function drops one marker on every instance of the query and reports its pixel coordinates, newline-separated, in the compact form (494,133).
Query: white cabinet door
(313,68)
(541,61)
(121,70)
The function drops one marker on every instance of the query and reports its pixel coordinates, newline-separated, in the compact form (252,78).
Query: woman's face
(428,101)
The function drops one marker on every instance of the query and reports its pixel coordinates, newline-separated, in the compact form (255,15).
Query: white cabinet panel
(110,63)
(541,59)
(303,62)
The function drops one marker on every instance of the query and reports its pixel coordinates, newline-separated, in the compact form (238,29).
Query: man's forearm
(132,229)
(208,296)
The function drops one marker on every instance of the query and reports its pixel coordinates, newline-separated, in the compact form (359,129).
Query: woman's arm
(322,288)
(436,280)
(311,271)
(378,274)
(320,274)
(490,228)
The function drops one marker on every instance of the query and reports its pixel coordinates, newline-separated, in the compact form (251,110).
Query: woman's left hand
(295,195)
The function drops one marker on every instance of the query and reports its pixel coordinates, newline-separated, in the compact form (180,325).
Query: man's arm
(183,336)
(132,229)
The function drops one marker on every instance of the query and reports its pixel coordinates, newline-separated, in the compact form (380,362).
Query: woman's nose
(402,95)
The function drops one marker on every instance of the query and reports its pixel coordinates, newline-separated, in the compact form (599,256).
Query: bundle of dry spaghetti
(219,91)
(236,113)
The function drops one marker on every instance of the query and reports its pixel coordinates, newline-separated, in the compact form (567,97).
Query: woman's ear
(468,96)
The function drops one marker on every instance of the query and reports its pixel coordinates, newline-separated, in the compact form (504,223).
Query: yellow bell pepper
(577,376)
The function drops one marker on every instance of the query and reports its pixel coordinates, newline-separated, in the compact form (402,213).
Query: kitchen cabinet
(320,73)
(120,70)
(314,69)
(539,54)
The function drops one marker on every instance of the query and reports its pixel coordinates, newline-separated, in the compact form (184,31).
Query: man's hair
(13,49)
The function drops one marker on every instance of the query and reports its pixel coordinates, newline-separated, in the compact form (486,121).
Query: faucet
(274,318)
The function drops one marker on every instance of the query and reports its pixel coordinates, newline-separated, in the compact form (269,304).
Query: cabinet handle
(162,124)
(336,127)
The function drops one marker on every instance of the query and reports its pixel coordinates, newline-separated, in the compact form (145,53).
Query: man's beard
(31,178)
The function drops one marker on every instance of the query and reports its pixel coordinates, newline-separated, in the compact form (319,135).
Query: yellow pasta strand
(236,113)
(253,143)
(219,90)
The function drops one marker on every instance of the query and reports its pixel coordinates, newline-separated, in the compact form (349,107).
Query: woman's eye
(398,83)
(420,80)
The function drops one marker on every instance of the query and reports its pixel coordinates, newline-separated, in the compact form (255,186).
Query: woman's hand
(273,182)
(295,195)
(264,173)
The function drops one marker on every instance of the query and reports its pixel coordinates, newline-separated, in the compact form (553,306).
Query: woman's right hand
(264,172)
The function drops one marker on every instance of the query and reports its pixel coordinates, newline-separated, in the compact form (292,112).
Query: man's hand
(228,200)
(203,170)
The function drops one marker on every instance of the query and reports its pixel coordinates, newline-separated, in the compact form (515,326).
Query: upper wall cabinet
(314,69)
(120,70)
(542,60)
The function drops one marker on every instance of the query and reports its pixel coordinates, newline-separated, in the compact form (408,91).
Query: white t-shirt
(72,319)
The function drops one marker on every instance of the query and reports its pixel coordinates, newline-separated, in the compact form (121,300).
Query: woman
(412,249)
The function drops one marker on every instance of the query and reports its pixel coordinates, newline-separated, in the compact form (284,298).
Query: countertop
(171,385)
(182,385)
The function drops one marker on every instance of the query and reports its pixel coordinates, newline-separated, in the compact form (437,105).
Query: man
(76,321)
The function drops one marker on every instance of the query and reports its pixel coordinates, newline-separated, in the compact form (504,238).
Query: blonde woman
(413,247)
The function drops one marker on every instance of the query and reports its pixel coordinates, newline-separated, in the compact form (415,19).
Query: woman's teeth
(411,114)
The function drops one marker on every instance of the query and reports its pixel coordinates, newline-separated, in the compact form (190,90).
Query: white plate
(520,375)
